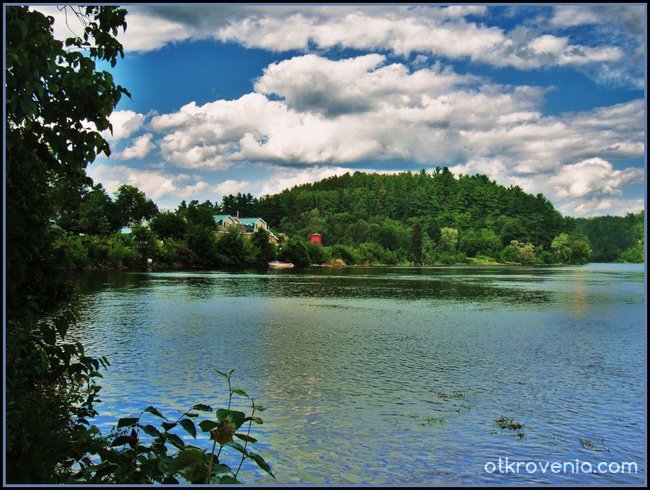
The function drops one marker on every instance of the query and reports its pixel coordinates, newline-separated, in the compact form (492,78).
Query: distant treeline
(614,238)
(399,219)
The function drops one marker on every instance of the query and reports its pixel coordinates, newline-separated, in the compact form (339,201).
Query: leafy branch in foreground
(139,452)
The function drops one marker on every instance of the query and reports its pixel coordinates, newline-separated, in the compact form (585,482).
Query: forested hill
(614,238)
(381,208)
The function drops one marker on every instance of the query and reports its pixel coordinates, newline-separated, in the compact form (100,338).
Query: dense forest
(366,219)
(614,238)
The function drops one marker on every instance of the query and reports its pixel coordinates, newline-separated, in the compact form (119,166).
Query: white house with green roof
(223,221)
(247,225)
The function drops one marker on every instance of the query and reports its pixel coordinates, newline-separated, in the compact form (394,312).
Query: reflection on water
(390,375)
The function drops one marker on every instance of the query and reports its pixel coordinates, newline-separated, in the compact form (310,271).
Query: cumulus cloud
(338,112)
(593,177)
(404,32)
(328,114)
(156,185)
(631,17)
(139,149)
(124,123)
(232,186)
(455,32)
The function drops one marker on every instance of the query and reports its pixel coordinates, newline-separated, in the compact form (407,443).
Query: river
(391,375)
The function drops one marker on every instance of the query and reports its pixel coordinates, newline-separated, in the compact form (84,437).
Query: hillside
(469,214)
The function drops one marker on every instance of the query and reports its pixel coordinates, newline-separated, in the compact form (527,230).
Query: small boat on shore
(280,265)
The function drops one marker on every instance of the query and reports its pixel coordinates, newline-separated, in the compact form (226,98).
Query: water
(390,375)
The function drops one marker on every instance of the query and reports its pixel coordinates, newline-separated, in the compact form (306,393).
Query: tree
(571,249)
(145,243)
(416,242)
(199,214)
(57,104)
(133,206)
(477,242)
(264,250)
(96,214)
(522,253)
(448,239)
(168,225)
(295,250)
(233,248)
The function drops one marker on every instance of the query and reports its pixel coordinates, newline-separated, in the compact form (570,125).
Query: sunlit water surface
(389,375)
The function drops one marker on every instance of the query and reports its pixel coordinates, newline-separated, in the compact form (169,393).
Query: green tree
(571,249)
(133,206)
(448,239)
(523,253)
(199,213)
(57,103)
(480,242)
(296,251)
(264,250)
(416,243)
(233,249)
(168,225)
(145,243)
(201,241)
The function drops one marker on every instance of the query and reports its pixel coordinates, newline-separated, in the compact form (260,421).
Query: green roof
(249,221)
(221,217)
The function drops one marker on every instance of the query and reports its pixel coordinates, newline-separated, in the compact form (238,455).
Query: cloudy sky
(229,99)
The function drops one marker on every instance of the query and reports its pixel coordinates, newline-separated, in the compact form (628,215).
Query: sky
(259,98)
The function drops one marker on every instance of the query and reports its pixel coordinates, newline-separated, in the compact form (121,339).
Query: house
(223,221)
(315,239)
(251,225)
(248,225)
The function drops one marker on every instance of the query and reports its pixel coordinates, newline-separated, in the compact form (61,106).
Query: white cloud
(599,207)
(593,177)
(139,149)
(231,186)
(147,33)
(453,32)
(156,185)
(335,113)
(124,123)
(631,17)
(548,44)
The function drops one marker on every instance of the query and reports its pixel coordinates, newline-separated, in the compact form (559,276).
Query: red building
(315,238)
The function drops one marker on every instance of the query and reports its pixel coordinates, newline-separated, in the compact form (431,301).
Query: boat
(280,265)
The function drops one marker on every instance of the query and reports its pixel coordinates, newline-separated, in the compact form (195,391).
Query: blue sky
(259,98)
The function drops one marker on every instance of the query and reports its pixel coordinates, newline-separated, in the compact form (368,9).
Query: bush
(522,253)
(296,251)
(319,254)
(345,253)
(138,452)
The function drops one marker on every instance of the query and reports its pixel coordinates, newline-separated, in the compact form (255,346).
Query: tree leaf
(208,425)
(153,410)
(189,426)
(261,463)
(176,441)
(246,437)
(238,447)
(228,480)
(127,422)
(151,430)
(240,392)
(202,408)
(121,441)
(236,417)
(185,458)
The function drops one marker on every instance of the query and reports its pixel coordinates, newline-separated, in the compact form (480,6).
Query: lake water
(391,375)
